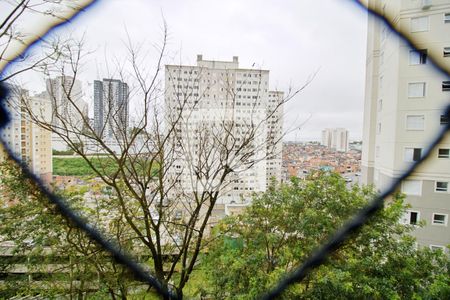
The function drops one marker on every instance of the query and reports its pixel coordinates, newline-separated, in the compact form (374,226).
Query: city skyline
(336,138)
(87,96)
(294,50)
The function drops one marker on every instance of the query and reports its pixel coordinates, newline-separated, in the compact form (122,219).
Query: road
(355,179)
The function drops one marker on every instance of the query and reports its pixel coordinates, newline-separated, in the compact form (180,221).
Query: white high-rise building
(403,111)
(335,138)
(27,140)
(68,107)
(216,95)
(275,135)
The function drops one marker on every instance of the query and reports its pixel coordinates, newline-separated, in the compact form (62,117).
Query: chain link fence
(317,258)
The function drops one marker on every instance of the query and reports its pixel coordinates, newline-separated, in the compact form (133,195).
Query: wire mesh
(317,258)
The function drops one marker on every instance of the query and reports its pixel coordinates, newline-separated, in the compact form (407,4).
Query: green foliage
(284,225)
(63,152)
(41,238)
(34,227)
(77,166)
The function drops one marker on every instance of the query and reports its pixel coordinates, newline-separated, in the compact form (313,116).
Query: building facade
(335,139)
(221,105)
(275,136)
(69,110)
(31,143)
(111,101)
(403,110)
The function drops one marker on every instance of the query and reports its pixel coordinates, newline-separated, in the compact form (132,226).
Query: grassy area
(77,166)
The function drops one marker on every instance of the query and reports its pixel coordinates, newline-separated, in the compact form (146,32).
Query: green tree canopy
(250,252)
(58,259)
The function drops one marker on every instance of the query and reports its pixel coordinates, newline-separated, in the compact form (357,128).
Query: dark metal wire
(64,209)
(315,260)
(318,256)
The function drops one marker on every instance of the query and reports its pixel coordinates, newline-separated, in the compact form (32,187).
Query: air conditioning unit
(426,4)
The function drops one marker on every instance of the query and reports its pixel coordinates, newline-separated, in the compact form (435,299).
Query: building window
(376,175)
(419,24)
(446,86)
(444,120)
(378,128)
(441,186)
(416,89)
(446,51)
(412,187)
(411,217)
(380,104)
(447,18)
(437,248)
(413,154)
(415,122)
(443,153)
(418,57)
(439,219)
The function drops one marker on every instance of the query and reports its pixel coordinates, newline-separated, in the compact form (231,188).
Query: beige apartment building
(216,96)
(28,141)
(404,104)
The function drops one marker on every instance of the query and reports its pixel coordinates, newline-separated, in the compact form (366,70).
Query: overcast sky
(293,39)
